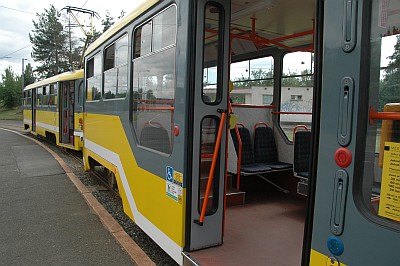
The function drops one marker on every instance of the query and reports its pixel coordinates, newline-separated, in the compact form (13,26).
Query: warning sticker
(174,184)
(389,205)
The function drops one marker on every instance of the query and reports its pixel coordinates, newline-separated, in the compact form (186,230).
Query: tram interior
(265,218)
(260,216)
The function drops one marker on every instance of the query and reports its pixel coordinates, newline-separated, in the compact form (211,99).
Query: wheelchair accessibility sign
(173,184)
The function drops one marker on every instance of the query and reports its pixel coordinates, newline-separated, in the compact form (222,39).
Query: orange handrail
(155,108)
(373,115)
(260,123)
(292,113)
(241,105)
(299,126)
(212,169)
(239,164)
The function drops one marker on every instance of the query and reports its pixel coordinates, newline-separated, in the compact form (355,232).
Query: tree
(10,89)
(304,79)
(389,89)
(122,14)
(107,22)
(29,78)
(257,78)
(50,43)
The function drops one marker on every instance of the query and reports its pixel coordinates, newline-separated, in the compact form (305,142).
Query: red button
(343,157)
(176,131)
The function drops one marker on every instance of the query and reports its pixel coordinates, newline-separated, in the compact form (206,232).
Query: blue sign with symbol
(170,174)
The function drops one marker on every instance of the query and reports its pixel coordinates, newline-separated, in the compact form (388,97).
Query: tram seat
(301,160)
(248,164)
(155,137)
(265,150)
(302,149)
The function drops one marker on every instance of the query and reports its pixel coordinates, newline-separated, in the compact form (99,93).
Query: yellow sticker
(389,205)
(178,178)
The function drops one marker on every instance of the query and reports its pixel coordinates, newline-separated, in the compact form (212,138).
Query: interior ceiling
(286,24)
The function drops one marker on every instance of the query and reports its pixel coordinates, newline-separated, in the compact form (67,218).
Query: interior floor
(267,230)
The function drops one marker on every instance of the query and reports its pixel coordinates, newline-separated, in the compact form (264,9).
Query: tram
(53,108)
(194,108)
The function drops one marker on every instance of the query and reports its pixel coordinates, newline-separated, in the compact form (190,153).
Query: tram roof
(71,75)
(121,24)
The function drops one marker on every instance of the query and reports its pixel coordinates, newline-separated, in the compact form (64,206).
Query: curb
(126,242)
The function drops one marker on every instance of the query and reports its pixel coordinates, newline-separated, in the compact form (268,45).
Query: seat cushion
(303,174)
(279,165)
(254,168)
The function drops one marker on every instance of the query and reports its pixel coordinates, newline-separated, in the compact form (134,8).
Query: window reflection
(381,177)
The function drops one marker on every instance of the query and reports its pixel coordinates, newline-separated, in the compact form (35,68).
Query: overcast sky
(16,23)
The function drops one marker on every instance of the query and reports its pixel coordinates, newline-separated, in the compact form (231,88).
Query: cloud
(16,25)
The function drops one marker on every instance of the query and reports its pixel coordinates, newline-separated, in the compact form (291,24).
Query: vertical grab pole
(211,175)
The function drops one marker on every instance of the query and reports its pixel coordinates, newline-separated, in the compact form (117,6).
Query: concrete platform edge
(137,255)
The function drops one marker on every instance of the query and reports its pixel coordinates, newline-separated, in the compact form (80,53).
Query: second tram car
(53,108)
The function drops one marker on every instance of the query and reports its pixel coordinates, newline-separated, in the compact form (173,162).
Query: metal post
(22,84)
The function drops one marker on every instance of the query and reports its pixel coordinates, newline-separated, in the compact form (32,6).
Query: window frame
(121,36)
(135,57)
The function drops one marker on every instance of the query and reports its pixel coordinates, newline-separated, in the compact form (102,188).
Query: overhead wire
(17,10)
(5,56)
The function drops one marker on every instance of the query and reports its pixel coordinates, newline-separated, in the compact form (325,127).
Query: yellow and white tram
(53,108)
(191,153)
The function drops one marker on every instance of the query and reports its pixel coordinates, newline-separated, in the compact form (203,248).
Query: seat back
(302,150)
(156,138)
(265,150)
(247,151)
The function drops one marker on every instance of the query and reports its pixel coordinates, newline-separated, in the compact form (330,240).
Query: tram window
(52,95)
(39,96)
(212,53)
(94,76)
(154,85)
(28,97)
(378,186)
(116,69)
(157,33)
(296,91)
(209,132)
(46,98)
(253,81)
(164,29)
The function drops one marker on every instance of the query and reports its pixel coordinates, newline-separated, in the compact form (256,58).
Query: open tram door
(204,225)
(67,100)
(355,200)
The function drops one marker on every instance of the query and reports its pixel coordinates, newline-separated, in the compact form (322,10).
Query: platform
(44,218)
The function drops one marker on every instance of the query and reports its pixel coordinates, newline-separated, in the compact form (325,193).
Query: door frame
(209,233)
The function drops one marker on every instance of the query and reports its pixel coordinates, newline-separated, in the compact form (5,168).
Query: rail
(292,113)
(373,115)
(296,127)
(260,123)
(239,164)
(241,105)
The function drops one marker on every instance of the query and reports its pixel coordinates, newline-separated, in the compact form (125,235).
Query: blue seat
(248,164)
(302,150)
(265,150)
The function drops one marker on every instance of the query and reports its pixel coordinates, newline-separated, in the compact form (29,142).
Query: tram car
(53,108)
(194,108)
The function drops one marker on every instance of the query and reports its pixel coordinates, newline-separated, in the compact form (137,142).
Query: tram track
(101,173)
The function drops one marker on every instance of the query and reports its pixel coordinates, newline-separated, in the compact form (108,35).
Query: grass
(11,114)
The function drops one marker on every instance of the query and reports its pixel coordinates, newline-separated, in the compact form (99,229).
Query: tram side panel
(27,117)
(108,141)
